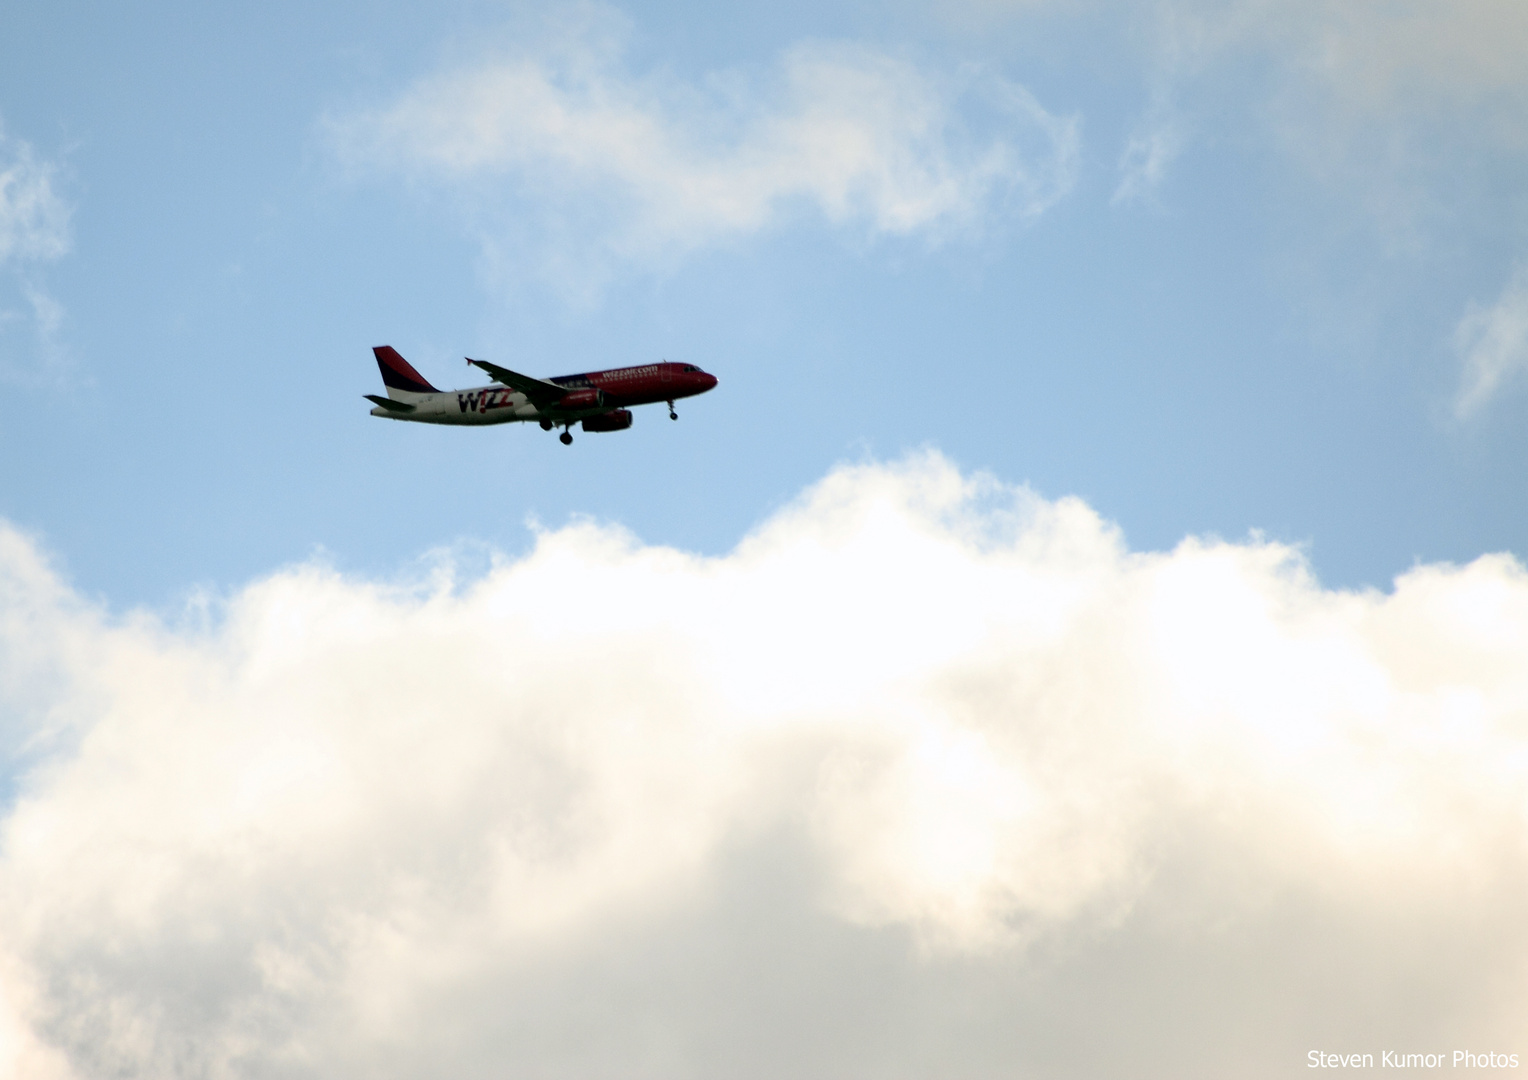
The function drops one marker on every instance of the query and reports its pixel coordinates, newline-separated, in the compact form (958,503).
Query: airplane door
(663,372)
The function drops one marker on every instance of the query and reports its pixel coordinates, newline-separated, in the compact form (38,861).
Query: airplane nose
(710,381)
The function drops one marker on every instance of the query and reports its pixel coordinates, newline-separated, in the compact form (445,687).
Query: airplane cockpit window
(690,367)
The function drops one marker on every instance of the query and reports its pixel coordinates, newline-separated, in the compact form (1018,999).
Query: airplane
(598,400)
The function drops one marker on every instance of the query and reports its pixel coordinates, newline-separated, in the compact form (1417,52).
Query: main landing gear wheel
(546,425)
(566,438)
(672,414)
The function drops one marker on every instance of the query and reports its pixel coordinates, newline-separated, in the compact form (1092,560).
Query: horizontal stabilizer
(389,404)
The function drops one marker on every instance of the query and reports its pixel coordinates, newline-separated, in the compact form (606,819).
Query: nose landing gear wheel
(672,414)
(566,438)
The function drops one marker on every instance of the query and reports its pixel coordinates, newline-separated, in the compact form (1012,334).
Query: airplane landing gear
(566,438)
(546,425)
(672,414)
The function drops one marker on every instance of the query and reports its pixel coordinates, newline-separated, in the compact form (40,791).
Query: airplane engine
(617,420)
(582,399)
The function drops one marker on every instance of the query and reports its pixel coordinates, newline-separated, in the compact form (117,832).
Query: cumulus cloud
(929,776)
(1492,343)
(647,164)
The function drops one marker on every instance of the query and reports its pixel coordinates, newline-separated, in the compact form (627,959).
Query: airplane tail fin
(399,376)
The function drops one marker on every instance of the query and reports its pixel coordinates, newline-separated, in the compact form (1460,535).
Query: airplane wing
(537,391)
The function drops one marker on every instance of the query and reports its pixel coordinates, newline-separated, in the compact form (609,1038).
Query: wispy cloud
(34,219)
(925,763)
(1150,149)
(1425,53)
(1492,344)
(34,230)
(1384,104)
(650,166)
(1403,125)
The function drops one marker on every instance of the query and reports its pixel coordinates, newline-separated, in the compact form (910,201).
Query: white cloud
(34,219)
(34,229)
(640,166)
(1153,146)
(1416,55)
(1398,106)
(929,776)
(1388,105)
(1408,120)
(1492,343)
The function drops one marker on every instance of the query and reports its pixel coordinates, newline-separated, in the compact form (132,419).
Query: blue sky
(1258,335)
(1092,599)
